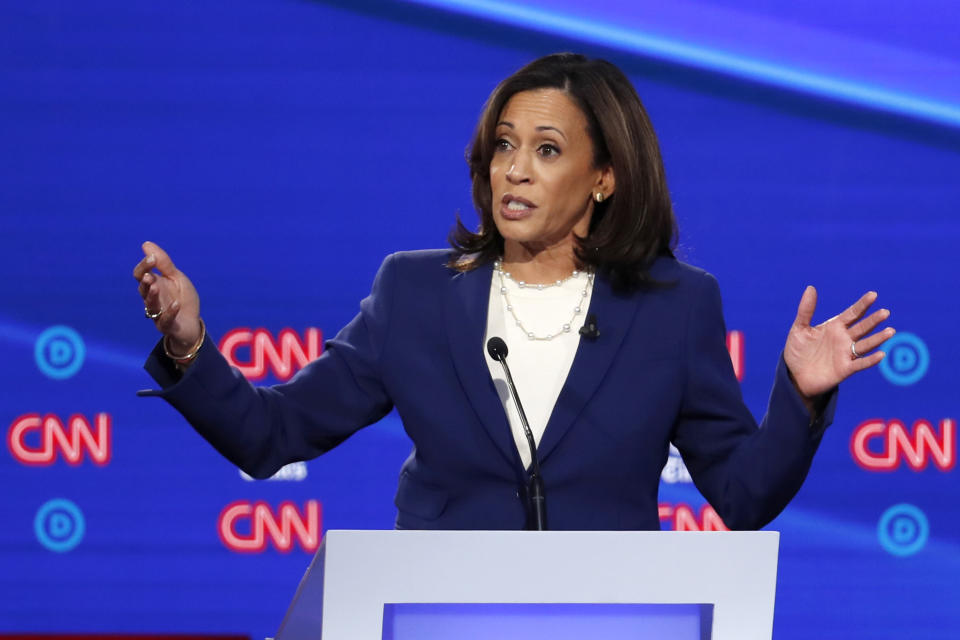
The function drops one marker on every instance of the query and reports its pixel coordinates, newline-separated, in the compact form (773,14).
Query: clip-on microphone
(589,328)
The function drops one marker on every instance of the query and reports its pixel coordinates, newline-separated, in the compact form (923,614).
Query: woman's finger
(808,304)
(144,266)
(145,283)
(855,311)
(164,263)
(868,361)
(869,323)
(168,317)
(151,301)
(870,343)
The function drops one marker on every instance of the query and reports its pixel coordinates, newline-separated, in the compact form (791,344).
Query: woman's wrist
(814,404)
(184,359)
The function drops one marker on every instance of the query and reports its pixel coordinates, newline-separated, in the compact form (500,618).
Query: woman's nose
(518,172)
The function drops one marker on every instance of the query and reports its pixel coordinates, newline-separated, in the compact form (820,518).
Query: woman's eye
(548,150)
(501,145)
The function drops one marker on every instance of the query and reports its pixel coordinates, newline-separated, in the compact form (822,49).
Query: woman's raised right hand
(171,294)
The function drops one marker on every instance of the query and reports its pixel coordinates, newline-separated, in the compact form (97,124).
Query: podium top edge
(499,533)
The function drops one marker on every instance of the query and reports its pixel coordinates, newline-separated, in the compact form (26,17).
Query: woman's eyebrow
(542,127)
(549,128)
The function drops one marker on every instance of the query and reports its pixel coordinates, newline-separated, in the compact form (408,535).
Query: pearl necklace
(565,328)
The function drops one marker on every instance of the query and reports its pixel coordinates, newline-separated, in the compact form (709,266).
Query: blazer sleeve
(747,473)
(260,429)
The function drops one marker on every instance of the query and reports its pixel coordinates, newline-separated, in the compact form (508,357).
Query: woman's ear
(607,183)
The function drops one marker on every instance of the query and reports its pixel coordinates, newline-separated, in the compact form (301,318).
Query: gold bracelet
(187,359)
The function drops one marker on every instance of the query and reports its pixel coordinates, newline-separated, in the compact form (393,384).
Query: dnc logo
(59,352)
(903,530)
(59,525)
(907,359)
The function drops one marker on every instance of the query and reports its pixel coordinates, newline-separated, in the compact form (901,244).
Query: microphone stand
(535,492)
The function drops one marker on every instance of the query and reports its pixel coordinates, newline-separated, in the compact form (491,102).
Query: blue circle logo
(907,359)
(903,530)
(59,525)
(59,352)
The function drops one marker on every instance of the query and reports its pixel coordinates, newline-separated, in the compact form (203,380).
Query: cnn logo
(248,527)
(878,445)
(37,440)
(681,517)
(282,356)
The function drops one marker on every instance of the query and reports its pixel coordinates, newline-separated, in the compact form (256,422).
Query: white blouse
(539,367)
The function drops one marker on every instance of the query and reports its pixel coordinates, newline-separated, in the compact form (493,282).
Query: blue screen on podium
(558,621)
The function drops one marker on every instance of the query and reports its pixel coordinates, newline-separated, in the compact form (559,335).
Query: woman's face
(542,175)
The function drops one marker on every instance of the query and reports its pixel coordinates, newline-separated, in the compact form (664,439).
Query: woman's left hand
(821,357)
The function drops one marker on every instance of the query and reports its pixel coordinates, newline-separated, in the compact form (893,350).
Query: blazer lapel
(614,317)
(465,317)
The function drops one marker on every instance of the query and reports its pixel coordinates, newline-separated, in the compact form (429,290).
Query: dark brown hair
(628,230)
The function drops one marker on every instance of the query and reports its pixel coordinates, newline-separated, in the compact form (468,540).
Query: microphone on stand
(497,349)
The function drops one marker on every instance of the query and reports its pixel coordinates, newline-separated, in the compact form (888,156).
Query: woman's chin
(517,230)
(520,236)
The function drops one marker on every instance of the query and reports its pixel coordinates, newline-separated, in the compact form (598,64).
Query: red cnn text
(282,356)
(36,440)
(735,347)
(878,445)
(680,517)
(248,527)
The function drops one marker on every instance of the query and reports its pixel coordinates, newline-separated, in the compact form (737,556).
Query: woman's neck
(535,265)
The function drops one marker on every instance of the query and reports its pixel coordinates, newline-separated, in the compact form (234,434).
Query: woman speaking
(617,349)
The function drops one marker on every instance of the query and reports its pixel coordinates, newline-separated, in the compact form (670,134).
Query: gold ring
(152,316)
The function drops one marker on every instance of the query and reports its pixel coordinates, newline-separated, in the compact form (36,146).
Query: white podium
(358,575)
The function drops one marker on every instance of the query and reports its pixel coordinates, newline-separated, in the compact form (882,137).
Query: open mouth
(513,207)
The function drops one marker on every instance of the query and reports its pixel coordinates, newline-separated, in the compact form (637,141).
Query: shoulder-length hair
(630,229)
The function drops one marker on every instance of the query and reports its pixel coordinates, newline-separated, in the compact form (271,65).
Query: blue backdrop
(280,149)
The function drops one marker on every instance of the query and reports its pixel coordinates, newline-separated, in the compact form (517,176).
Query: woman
(575,218)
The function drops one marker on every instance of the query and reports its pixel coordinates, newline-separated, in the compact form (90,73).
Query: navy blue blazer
(658,373)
